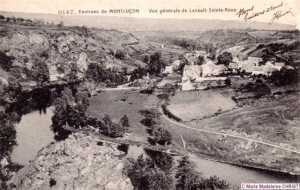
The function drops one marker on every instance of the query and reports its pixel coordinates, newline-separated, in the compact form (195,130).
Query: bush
(225,58)
(112,129)
(5,61)
(145,175)
(119,54)
(214,182)
(69,110)
(189,179)
(7,134)
(259,88)
(162,136)
(162,160)
(200,60)
(148,122)
(97,73)
(185,43)
(124,122)
(284,77)
(155,65)
(40,71)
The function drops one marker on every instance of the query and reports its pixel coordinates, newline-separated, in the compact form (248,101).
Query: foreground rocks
(79,162)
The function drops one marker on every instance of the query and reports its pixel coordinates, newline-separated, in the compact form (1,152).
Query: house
(54,74)
(211,69)
(191,72)
(199,77)
(203,83)
(168,69)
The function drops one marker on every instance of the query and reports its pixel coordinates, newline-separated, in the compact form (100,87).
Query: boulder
(79,162)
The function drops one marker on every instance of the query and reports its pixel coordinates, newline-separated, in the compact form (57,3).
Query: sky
(53,6)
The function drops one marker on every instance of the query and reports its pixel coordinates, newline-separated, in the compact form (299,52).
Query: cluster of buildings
(199,74)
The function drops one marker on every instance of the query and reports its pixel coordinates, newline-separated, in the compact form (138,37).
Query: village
(89,107)
(200,71)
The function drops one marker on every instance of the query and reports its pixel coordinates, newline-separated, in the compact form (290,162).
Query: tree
(267,54)
(186,176)
(189,179)
(69,110)
(284,77)
(60,24)
(124,122)
(72,75)
(138,73)
(92,72)
(161,159)
(155,65)
(146,59)
(112,129)
(117,130)
(162,136)
(200,60)
(225,58)
(40,71)
(5,61)
(76,117)
(119,54)
(82,99)
(145,175)
(7,134)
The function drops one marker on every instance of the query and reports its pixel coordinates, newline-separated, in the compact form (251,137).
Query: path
(182,125)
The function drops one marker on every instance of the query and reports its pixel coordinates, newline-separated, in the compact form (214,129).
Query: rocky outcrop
(79,162)
(61,50)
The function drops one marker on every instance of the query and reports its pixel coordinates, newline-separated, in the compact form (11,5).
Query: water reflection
(33,133)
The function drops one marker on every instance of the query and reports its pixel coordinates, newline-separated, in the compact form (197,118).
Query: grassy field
(276,121)
(118,103)
(234,150)
(191,105)
(200,144)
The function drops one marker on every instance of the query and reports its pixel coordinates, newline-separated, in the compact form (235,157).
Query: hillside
(151,24)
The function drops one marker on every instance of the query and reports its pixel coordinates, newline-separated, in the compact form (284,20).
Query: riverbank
(202,146)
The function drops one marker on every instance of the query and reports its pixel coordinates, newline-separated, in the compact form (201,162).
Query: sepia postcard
(149,95)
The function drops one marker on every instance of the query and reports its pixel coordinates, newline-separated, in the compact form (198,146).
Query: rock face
(79,162)
(61,50)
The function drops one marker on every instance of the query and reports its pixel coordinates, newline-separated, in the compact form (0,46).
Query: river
(34,133)
(236,175)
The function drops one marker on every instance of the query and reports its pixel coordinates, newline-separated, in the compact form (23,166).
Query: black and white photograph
(133,95)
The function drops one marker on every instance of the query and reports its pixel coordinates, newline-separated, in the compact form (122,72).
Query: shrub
(5,61)
(162,160)
(98,73)
(162,136)
(69,110)
(124,122)
(188,179)
(145,175)
(112,129)
(40,71)
(284,77)
(119,54)
(225,58)
(155,65)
